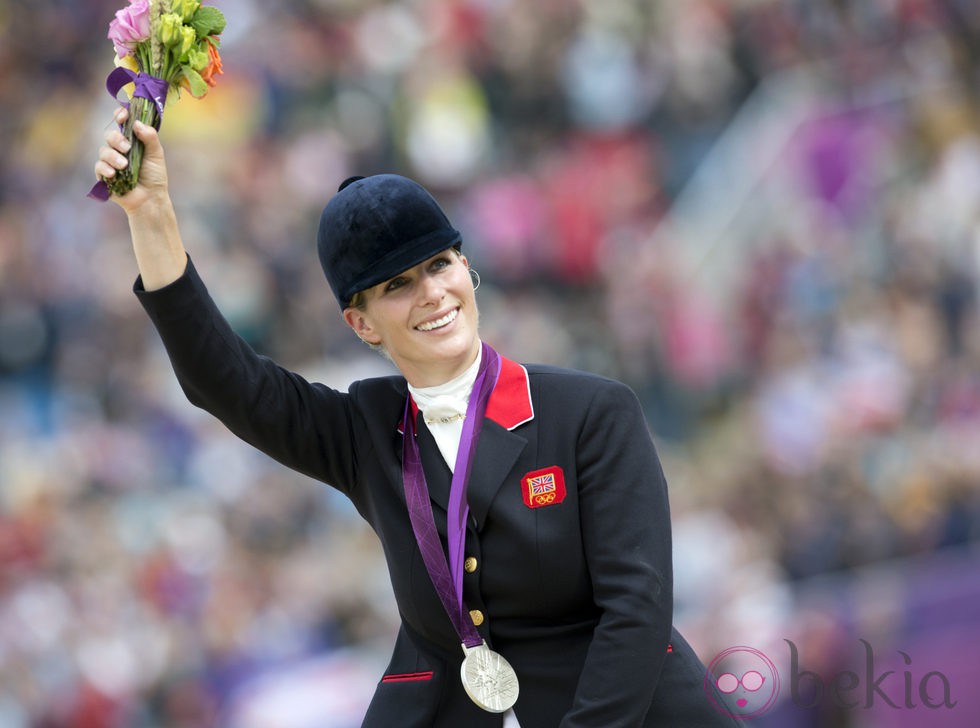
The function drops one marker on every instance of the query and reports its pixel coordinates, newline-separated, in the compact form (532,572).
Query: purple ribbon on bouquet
(148,87)
(448,579)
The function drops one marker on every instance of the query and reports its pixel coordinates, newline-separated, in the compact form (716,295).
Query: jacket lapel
(496,454)
(510,402)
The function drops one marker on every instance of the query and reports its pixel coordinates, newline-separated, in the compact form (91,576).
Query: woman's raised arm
(160,254)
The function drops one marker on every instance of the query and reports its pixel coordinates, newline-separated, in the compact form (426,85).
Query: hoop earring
(475,277)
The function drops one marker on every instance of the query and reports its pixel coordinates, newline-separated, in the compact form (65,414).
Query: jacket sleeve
(625,523)
(307,427)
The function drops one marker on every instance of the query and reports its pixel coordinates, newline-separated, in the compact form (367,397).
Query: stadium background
(764,216)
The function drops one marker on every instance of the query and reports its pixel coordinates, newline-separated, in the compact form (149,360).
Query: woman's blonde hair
(358,301)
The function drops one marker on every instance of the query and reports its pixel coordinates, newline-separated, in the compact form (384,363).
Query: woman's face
(425,318)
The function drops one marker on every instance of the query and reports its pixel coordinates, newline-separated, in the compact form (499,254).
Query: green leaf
(208,20)
(198,85)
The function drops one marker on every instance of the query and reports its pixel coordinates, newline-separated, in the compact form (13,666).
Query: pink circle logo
(742,683)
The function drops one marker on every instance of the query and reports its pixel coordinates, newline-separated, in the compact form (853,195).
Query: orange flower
(214,67)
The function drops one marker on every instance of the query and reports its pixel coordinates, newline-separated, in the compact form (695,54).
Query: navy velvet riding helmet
(376,227)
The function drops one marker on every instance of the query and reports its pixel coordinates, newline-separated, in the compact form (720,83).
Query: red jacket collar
(510,401)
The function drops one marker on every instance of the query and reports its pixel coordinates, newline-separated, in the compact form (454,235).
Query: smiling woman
(522,509)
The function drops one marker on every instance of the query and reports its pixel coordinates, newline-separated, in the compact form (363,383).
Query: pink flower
(131,26)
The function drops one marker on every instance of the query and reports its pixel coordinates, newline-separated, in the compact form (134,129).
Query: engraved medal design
(488,679)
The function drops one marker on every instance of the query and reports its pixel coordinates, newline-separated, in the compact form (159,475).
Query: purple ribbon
(448,579)
(148,87)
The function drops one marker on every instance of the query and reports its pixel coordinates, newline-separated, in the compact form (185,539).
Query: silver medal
(488,679)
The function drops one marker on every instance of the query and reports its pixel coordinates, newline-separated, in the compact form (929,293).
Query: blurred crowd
(815,417)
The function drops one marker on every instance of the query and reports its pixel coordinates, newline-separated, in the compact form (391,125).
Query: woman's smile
(440,322)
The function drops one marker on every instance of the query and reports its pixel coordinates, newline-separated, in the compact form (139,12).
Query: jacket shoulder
(573,387)
(386,386)
(549,375)
(375,394)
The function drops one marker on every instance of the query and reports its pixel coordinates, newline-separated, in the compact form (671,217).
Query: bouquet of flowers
(161,47)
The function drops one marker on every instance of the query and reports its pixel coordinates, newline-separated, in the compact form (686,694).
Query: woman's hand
(152,184)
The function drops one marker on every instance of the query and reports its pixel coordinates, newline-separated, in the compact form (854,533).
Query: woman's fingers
(117,140)
(104,171)
(112,155)
(109,161)
(111,158)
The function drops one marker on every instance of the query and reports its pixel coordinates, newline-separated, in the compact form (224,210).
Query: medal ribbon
(448,579)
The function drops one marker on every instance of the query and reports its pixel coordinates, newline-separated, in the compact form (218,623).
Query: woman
(522,510)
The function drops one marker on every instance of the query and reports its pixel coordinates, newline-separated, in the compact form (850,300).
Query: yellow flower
(188,39)
(171,26)
(126,62)
(186,8)
(130,63)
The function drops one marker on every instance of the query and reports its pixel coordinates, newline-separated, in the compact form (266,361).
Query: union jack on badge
(545,487)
